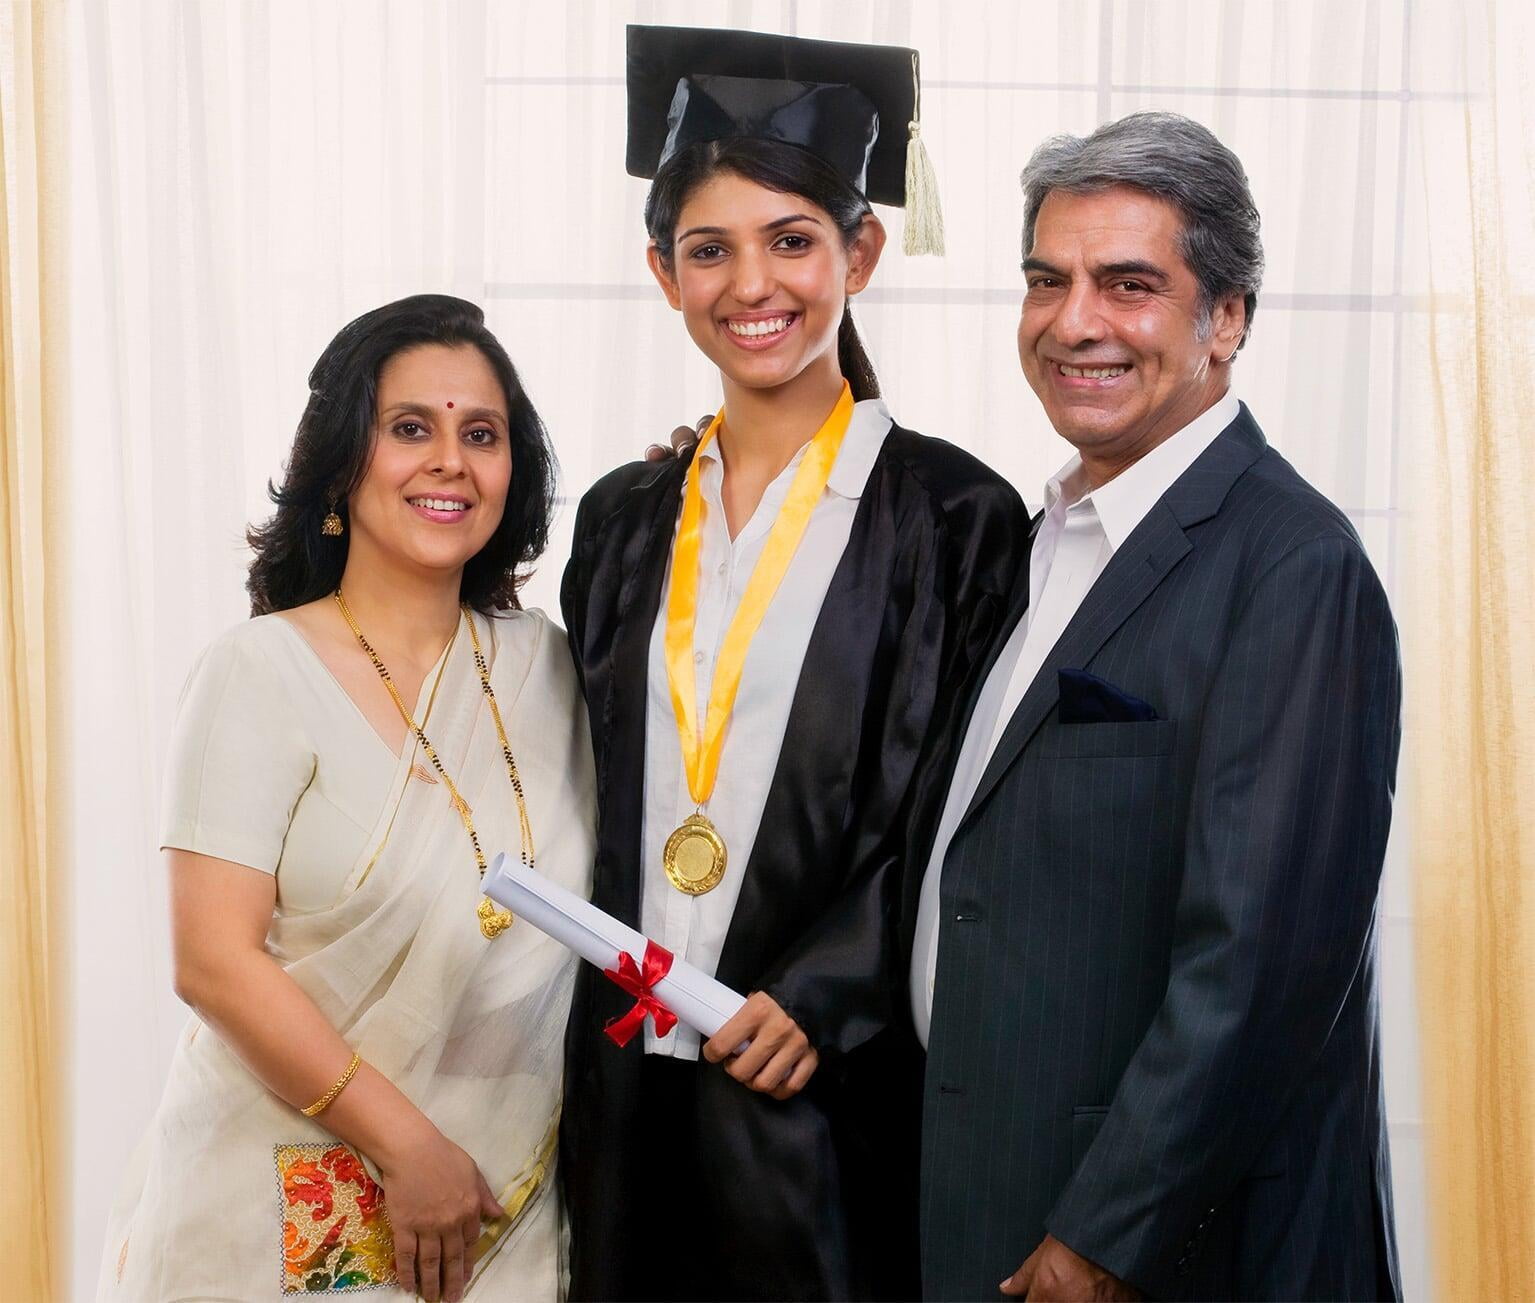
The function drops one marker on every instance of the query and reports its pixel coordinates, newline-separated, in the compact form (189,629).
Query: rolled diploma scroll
(696,998)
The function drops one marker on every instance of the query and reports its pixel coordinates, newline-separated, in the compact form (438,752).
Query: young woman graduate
(774,635)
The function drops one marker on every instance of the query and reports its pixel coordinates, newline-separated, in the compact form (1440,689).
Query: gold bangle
(324,1102)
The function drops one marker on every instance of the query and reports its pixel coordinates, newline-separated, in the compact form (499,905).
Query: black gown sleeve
(597,507)
(573,590)
(844,979)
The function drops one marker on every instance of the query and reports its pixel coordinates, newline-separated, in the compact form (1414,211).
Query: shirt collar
(1125,500)
(861,445)
(855,459)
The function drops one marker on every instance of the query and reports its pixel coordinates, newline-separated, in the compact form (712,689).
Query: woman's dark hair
(778,166)
(295,563)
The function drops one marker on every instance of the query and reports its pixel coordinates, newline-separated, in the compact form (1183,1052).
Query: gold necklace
(416,771)
(493,921)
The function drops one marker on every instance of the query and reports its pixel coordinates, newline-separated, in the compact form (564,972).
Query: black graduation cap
(854,106)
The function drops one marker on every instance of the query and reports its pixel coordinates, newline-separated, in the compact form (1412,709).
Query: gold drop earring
(331,526)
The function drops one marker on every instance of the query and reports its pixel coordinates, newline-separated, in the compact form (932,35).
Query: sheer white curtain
(247,179)
(250,177)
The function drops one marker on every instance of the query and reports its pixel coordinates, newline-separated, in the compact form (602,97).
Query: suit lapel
(1132,574)
(1156,545)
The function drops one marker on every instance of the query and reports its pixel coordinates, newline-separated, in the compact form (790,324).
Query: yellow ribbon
(701,754)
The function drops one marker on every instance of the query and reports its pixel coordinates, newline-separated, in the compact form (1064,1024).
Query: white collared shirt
(694,927)
(1081,530)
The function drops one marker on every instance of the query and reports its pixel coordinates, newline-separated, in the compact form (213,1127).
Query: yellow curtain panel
(1471,639)
(32,167)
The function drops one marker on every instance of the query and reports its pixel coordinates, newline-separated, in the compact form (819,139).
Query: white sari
(222,1204)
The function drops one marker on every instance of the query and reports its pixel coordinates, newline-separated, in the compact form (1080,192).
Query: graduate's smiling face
(437,479)
(1114,336)
(761,277)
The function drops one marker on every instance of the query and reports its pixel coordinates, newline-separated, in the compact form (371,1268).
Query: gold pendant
(694,857)
(493,921)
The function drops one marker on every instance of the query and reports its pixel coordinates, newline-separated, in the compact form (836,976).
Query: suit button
(946,1089)
(967,918)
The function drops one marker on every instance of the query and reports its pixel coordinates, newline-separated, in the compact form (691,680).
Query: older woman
(368,1095)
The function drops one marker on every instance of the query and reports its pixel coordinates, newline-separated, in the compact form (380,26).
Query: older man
(1144,961)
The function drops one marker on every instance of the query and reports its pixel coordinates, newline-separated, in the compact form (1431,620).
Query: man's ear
(1228,322)
(664,275)
(863,253)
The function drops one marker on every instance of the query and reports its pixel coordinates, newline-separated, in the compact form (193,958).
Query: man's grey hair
(1176,159)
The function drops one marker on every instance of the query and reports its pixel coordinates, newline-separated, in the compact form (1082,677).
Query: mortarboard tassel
(924,210)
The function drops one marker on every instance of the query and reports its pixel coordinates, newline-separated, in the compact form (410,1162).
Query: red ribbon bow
(638,982)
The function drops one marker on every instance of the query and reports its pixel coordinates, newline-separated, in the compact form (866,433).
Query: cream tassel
(924,210)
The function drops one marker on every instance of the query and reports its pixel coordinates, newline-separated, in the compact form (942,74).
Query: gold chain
(415,769)
(493,921)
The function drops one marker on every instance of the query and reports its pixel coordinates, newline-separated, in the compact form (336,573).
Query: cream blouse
(272,764)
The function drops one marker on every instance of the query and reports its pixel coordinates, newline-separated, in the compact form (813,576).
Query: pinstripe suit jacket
(1155,1030)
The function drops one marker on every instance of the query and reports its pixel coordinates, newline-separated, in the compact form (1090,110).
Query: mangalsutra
(493,921)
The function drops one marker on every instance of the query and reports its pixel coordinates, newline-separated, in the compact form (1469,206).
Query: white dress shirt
(694,927)
(1081,530)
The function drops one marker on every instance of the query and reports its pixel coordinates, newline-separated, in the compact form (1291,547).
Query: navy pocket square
(1087,699)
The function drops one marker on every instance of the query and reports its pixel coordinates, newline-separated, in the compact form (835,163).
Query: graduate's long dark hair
(777,166)
(295,563)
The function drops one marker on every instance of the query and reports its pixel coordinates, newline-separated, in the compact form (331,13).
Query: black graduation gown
(815,1197)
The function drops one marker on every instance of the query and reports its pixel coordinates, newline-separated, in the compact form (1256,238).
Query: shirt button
(698,658)
(721,570)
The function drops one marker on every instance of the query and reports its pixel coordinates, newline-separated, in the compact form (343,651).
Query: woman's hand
(435,1197)
(683,438)
(780,1059)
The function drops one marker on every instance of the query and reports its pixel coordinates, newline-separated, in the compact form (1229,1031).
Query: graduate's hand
(1054,1273)
(683,438)
(780,1059)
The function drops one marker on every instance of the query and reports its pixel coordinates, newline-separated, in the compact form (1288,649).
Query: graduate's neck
(764,428)
(409,610)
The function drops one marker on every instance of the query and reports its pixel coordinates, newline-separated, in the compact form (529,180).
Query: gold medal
(694,856)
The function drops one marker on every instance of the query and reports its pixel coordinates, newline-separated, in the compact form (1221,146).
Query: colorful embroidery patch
(335,1235)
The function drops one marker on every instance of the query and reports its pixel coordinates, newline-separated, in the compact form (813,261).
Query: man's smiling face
(1113,337)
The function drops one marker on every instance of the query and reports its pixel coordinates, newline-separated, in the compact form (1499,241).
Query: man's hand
(1055,1274)
(683,438)
(779,1060)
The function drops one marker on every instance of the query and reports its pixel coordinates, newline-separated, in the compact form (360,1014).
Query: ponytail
(854,362)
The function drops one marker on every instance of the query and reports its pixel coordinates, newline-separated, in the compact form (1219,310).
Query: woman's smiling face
(436,484)
(761,278)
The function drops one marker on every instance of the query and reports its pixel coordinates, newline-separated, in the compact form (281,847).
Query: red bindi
(450,407)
